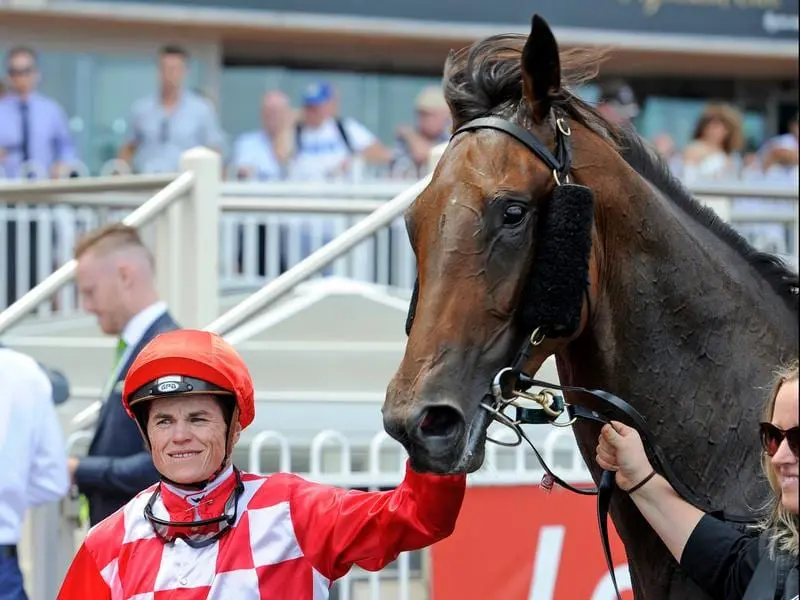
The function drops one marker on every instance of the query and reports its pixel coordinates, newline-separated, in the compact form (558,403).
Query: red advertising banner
(520,543)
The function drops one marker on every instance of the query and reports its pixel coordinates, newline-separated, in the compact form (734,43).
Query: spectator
(432,128)
(264,154)
(717,140)
(666,147)
(780,154)
(32,454)
(617,102)
(326,145)
(35,141)
(115,283)
(774,164)
(164,125)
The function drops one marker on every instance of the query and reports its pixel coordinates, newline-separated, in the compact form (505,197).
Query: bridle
(511,383)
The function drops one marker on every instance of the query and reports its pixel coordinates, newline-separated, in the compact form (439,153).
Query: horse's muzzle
(433,435)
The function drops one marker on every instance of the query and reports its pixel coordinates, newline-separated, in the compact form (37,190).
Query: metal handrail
(139,217)
(315,262)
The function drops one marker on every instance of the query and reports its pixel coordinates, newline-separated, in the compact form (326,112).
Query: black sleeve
(720,559)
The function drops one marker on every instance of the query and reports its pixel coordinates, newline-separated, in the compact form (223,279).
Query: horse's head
(476,231)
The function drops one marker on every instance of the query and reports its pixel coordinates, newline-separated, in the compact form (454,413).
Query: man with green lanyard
(116,283)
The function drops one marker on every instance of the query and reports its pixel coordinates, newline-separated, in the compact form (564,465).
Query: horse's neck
(689,334)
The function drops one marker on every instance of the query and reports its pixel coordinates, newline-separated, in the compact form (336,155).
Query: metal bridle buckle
(563,126)
(543,399)
(537,337)
(558,181)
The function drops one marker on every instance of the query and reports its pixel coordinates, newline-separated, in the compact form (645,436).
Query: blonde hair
(780,524)
(109,238)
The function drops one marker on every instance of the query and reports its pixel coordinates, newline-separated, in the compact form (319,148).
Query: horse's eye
(513,214)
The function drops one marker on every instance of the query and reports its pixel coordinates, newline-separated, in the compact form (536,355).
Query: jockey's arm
(337,528)
(83,580)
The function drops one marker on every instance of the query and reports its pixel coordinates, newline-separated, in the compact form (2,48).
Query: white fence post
(198,302)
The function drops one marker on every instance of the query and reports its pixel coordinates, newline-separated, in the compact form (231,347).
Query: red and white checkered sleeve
(83,579)
(337,528)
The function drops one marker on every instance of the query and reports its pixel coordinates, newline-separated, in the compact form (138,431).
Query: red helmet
(189,361)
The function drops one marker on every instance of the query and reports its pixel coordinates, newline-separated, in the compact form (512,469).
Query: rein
(511,383)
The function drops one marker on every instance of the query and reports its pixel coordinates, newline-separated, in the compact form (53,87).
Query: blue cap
(317,93)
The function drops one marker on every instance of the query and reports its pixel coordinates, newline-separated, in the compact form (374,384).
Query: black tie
(26,137)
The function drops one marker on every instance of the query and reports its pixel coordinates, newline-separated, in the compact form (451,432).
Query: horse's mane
(486,79)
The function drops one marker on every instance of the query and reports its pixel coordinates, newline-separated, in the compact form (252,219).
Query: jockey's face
(187,437)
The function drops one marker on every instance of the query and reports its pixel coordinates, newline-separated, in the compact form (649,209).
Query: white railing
(265,229)
(187,271)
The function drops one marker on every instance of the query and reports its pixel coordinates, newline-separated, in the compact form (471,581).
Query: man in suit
(115,279)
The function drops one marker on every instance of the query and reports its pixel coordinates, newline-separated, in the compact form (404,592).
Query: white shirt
(33,459)
(253,150)
(132,333)
(322,148)
(134,330)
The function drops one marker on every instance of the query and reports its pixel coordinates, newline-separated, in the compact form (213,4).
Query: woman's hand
(620,449)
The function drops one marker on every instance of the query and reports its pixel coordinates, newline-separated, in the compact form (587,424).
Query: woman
(718,137)
(726,563)
(209,530)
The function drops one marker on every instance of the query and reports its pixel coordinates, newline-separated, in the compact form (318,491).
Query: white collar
(136,327)
(196,495)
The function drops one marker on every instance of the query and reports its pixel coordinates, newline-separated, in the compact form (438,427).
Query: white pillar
(198,241)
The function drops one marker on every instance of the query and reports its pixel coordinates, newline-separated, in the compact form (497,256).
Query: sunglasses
(20,72)
(197,534)
(772,437)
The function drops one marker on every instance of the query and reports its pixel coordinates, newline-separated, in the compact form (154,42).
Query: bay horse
(676,313)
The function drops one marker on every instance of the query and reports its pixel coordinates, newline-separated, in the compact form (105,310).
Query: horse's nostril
(440,421)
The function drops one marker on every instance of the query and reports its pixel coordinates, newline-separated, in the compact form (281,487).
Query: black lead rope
(604,491)
(617,409)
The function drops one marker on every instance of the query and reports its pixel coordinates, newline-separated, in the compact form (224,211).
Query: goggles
(197,534)
(772,437)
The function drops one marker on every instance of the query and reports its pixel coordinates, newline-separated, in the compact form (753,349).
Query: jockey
(209,530)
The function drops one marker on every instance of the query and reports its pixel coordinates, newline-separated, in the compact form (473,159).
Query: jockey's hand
(620,449)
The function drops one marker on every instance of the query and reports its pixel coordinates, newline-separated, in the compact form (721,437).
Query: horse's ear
(541,69)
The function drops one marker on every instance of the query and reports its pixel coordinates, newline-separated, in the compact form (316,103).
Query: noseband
(554,310)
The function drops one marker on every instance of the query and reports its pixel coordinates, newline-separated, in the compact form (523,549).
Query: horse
(542,214)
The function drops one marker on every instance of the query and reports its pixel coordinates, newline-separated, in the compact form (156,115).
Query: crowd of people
(307,143)
(314,142)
